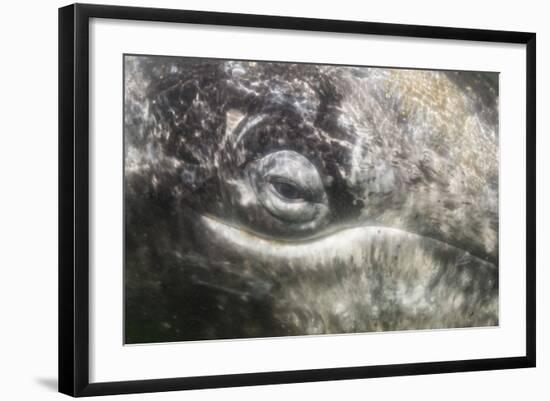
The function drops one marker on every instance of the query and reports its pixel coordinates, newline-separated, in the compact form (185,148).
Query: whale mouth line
(342,235)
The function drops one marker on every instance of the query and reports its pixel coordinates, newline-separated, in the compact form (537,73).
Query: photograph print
(268,199)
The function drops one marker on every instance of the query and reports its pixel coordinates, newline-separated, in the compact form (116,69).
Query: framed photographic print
(249,199)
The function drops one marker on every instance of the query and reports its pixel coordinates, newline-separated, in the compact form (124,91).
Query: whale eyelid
(306,193)
(290,189)
(283,179)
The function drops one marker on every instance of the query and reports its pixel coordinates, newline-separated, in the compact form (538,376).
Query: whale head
(267,199)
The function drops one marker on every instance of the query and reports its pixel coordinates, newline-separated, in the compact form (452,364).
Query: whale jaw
(359,279)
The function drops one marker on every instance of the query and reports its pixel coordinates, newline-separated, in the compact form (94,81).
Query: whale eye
(290,188)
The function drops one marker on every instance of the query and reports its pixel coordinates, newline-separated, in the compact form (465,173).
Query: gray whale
(270,199)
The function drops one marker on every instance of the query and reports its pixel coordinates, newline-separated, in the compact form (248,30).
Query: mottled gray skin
(268,199)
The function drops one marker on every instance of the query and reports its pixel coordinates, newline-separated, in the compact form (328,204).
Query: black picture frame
(74,198)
